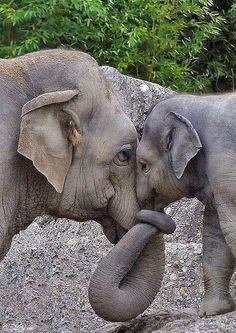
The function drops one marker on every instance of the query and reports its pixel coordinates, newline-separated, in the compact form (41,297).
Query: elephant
(69,151)
(188,150)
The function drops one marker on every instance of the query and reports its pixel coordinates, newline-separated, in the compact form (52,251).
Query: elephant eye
(144,167)
(123,157)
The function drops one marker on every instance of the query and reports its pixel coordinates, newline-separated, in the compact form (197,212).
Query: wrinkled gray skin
(67,150)
(131,261)
(188,148)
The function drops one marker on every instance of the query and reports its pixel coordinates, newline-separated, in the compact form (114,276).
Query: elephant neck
(34,195)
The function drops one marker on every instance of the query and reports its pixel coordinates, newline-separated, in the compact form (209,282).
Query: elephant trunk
(128,278)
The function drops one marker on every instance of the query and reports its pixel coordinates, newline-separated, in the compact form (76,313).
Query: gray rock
(135,96)
(44,277)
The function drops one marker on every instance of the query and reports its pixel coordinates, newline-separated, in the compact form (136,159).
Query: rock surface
(44,277)
(135,96)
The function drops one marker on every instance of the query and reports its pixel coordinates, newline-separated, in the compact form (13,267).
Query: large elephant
(188,148)
(67,150)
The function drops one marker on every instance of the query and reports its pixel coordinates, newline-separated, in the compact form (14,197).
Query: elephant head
(165,155)
(77,137)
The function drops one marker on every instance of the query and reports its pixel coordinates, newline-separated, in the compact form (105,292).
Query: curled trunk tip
(127,279)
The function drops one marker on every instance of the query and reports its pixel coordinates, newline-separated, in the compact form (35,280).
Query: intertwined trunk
(128,278)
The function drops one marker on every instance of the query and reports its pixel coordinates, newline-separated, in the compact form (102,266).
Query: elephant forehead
(151,137)
(113,128)
(154,123)
(105,149)
(155,130)
(145,151)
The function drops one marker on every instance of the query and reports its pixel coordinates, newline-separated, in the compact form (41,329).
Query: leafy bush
(184,44)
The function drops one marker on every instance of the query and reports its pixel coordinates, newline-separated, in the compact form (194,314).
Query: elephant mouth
(112,229)
(155,202)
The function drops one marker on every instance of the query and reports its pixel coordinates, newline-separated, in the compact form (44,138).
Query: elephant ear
(47,135)
(183,142)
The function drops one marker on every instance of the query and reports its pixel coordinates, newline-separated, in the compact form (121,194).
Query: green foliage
(184,44)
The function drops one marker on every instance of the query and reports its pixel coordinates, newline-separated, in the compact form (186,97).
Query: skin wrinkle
(128,206)
(213,282)
(79,195)
(100,189)
(106,192)
(122,212)
(95,187)
(36,204)
(119,211)
(115,207)
(90,188)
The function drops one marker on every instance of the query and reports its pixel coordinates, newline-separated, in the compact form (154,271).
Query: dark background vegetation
(182,44)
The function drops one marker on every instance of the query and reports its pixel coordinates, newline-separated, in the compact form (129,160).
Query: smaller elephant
(188,149)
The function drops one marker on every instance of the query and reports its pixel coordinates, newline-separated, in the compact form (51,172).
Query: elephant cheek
(145,194)
(98,191)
